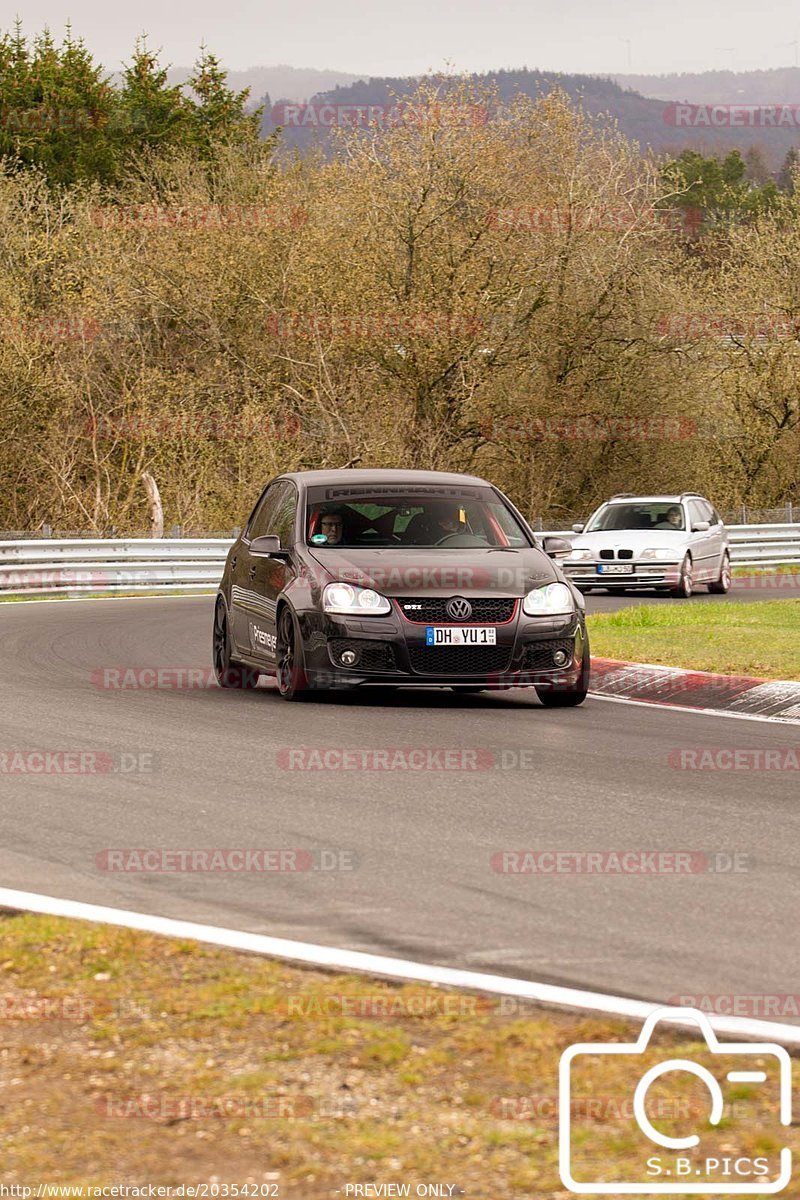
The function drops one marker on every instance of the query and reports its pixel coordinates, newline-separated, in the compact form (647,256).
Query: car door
(269,576)
(244,596)
(717,540)
(702,544)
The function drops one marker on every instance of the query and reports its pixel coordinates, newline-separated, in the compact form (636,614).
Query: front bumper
(530,651)
(640,575)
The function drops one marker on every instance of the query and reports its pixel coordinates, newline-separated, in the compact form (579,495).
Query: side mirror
(556,547)
(268,546)
(701,526)
(578,527)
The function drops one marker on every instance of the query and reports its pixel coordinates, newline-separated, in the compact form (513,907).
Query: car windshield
(449,518)
(640,515)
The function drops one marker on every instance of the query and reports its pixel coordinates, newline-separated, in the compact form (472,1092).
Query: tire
(569,697)
(228,672)
(290,674)
(723,584)
(685,588)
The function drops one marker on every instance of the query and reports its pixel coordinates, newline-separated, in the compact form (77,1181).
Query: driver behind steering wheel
(444,521)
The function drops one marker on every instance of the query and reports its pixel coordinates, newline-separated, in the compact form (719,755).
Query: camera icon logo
(678,1161)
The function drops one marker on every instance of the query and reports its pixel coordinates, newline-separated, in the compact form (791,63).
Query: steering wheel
(462,539)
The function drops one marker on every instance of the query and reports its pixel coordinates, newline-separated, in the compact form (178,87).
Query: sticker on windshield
(319,539)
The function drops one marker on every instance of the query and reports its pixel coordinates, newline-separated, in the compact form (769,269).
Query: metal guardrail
(82,565)
(79,566)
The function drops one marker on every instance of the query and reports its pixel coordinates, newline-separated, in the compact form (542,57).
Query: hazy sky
(401,37)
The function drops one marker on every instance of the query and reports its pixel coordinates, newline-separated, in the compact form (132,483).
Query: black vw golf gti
(418,578)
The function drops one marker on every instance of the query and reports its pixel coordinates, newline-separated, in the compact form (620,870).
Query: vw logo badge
(458,609)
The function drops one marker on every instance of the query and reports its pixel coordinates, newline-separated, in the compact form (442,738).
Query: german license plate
(459,635)
(614,569)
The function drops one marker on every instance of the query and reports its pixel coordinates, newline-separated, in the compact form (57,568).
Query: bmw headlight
(348,600)
(662,553)
(580,554)
(547,601)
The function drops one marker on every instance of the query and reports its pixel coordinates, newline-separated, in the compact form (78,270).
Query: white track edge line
(703,712)
(377,964)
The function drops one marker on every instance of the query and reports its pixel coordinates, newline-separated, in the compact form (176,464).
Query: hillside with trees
(527,297)
(649,121)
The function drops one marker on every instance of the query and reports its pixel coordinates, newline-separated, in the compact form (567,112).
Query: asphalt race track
(419,844)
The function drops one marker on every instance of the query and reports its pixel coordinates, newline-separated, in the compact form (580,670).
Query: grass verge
(779,569)
(128,1058)
(761,639)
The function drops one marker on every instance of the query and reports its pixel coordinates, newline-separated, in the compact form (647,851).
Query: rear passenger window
(261,520)
(283,517)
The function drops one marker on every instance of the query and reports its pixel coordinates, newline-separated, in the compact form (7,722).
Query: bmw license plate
(614,569)
(459,635)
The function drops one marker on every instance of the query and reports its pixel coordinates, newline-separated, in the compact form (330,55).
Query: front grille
(485,611)
(373,656)
(606,553)
(539,655)
(458,660)
(624,554)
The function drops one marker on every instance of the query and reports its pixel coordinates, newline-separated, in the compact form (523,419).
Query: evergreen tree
(220,114)
(719,188)
(56,108)
(149,112)
(786,175)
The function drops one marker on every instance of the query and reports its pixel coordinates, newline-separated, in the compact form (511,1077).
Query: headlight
(548,601)
(344,598)
(663,553)
(580,555)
